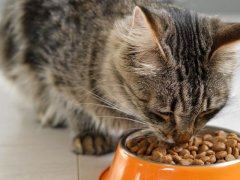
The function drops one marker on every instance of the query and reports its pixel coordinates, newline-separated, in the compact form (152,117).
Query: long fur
(86,62)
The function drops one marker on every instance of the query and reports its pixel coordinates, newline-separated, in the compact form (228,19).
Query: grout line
(78,175)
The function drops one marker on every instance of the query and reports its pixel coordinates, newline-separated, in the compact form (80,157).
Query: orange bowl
(127,166)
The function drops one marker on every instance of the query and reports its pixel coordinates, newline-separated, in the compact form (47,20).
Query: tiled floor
(29,152)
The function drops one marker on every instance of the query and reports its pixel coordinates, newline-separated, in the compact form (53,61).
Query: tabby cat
(110,66)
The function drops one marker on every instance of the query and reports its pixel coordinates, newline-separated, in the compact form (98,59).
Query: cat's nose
(182,136)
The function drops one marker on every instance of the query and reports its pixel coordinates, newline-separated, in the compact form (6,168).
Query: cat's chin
(169,141)
(164,138)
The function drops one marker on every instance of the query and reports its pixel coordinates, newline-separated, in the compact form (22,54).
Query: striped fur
(105,69)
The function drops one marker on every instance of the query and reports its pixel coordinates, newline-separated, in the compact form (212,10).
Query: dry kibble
(221,154)
(177,158)
(235,152)
(208,143)
(221,133)
(231,143)
(199,156)
(193,148)
(143,143)
(134,149)
(156,156)
(197,141)
(172,152)
(197,162)
(229,157)
(219,139)
(186,162)
(190,142)
(194,153)
(207,137)
(185,145)
(232,136)
(177,149)
(210,152)
(161,150)
(205,158)
(131,144)
(167,159)
(142,150)
(217,147)
(150,148)
(212,159)
(188,156)
(229,150)
(203,148)
(184,152)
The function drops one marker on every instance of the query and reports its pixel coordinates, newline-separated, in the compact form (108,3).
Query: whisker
(98,97)
(103,100)
(120,102)
(105,106)
(109,103)
(134,120)
(136,128)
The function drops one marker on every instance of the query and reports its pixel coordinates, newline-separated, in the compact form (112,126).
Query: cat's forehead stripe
(179,75)
(173,104)
(198,38)
(188,50)
(209,103)
(182,99)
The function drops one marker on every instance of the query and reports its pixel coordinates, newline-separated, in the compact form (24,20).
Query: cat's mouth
(165,138)
(174,137)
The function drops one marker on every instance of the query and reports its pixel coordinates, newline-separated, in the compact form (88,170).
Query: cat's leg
(50,110)
(51,117)
(90,137)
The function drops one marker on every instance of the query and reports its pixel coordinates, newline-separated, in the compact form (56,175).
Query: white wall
(213,6)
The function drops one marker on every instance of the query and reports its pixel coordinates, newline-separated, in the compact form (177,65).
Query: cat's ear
(142,23)
(227,34)
(142,19)
(226,46)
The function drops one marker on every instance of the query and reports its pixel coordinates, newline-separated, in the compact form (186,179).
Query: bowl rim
(123,147)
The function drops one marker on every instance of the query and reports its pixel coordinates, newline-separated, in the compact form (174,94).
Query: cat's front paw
(52,119)
(93,144)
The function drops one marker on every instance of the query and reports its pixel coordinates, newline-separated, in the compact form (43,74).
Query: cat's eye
(208,114)
(160,117)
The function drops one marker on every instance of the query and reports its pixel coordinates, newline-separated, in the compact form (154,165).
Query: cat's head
(174,68)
